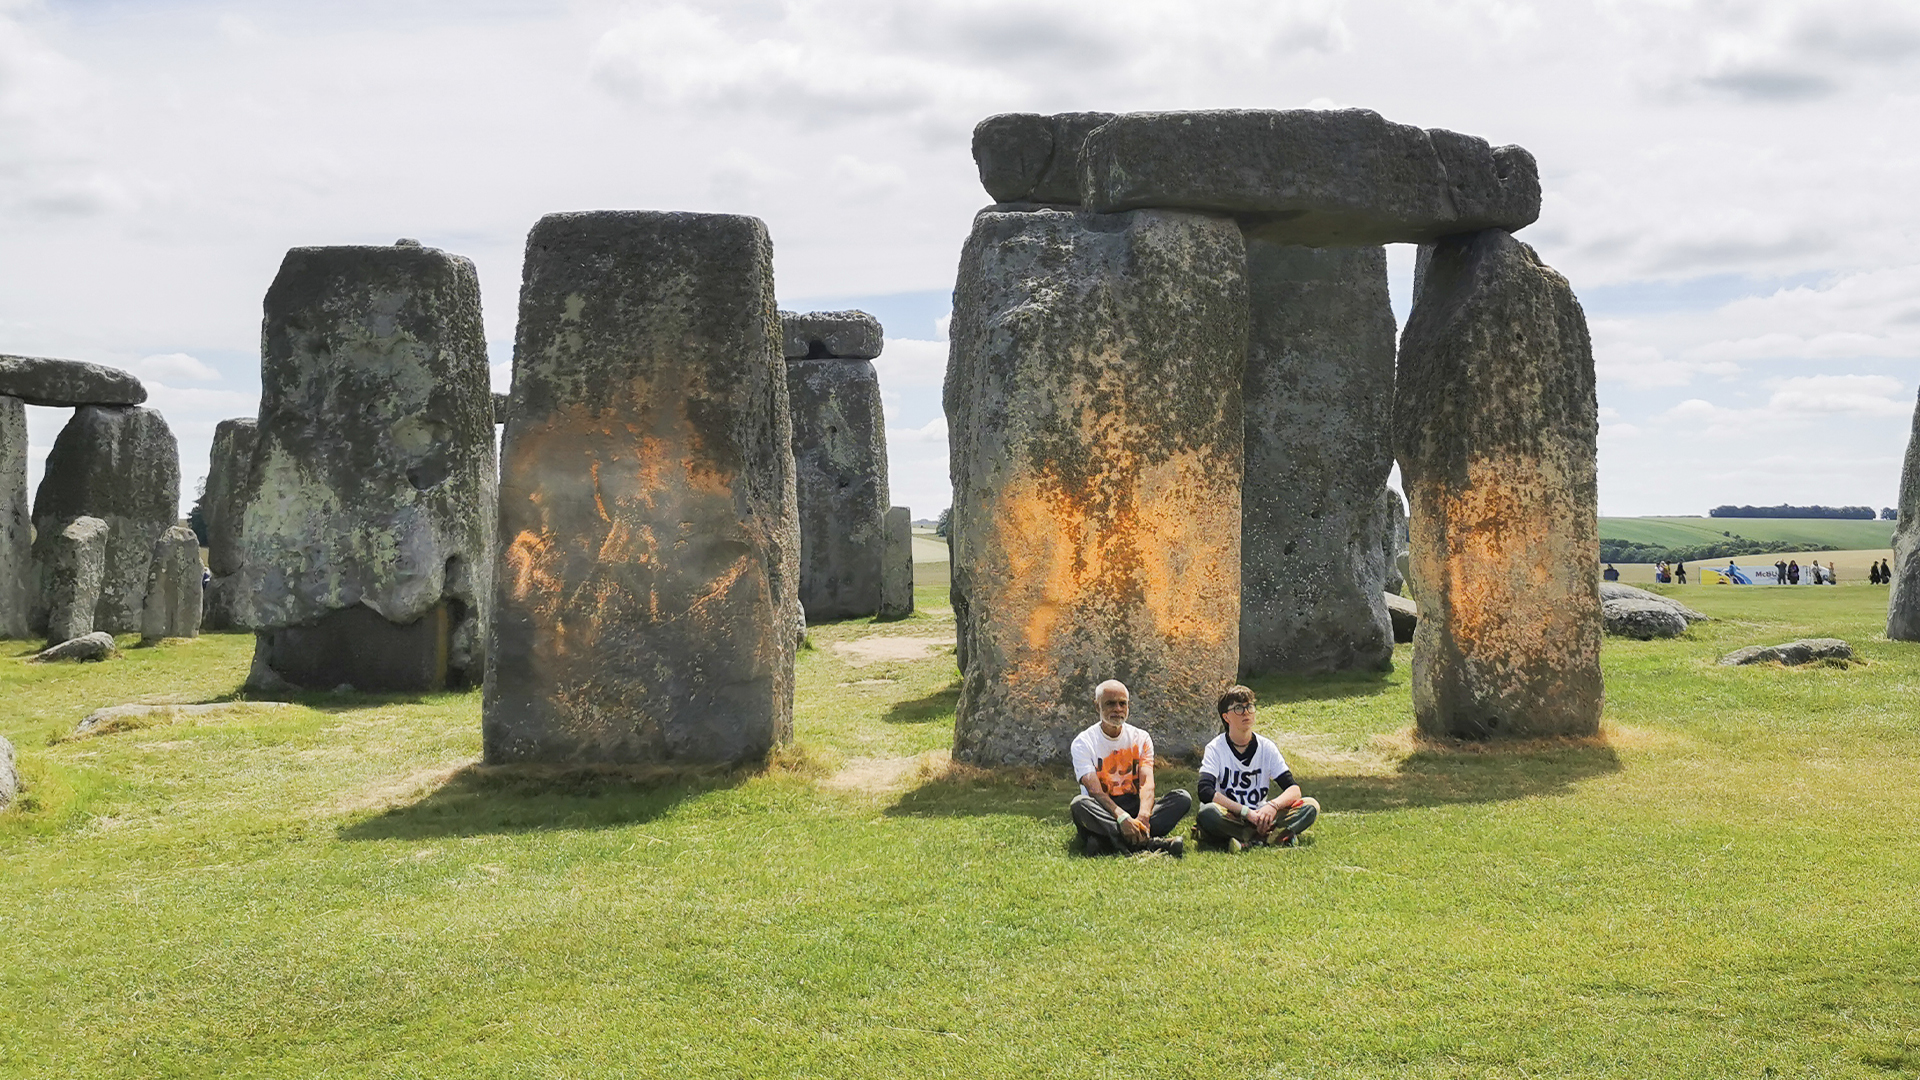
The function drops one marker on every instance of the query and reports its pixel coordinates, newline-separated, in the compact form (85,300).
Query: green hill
(1787,534)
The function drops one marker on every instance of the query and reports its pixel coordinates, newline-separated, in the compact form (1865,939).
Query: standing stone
(1093,395)
(121,465)
(1903,601)
(173,587)
(1496,424)
(366,539)
(1319,400)
(225,508)
(73,561)
(9,774)
(896,566)
(1391,525)
(840,461)
(647,588)
(16,524)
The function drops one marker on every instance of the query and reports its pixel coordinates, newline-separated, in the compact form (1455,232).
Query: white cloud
(906,362)
(179,367)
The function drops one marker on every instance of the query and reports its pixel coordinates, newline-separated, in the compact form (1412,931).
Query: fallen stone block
(1642,619)
(1804,651)
(115,718)
(41,380)
(1613,590)
(1311,177)
(1405,615)
(95,646)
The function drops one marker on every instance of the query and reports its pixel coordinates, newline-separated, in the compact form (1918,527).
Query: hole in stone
(1289,548)
(429,473)
(817,350)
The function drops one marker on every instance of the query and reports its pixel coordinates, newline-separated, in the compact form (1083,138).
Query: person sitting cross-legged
(1235,774)
(1115,811)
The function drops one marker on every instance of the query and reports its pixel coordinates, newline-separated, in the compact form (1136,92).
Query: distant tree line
(1861,513)
(1628,552)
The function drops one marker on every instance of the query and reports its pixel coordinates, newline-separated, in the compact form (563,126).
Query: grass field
(1793,534)
(1722,886)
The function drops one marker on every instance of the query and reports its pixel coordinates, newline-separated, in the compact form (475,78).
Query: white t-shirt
(1244,783)
(1115,761)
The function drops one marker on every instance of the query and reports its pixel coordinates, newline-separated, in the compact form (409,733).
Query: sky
(1726,182)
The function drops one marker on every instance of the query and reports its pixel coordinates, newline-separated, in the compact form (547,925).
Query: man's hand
(1135,830)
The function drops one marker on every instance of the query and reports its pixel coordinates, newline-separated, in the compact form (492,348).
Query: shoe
(1234,846)
(1169,845)
(1282,839)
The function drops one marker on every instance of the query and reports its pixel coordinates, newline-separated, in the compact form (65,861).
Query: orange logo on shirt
(1119,772)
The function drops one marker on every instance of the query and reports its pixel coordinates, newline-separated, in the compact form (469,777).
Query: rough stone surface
(818,335)
(73,561)
(95,646)
(1642,619)
(1803,651)
(840,476)
(120,465)
(1405,615)
(500,402)
(1318,398)
(1033,158)
(648,594)
(1391,527)
(372,482)
(41,380)
(1613,590)
(174,591)
(1495,428)
(1903,599)
(16,522)
(129,717)
(896,565)
(1093,396)
(9,774)
(225,508)
(1313,177)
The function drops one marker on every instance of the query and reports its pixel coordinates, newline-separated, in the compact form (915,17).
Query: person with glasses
(1237,772)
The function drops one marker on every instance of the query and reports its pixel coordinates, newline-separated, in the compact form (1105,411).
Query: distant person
(1886,574)
(1115,811)
(1680,573)
(1817,575)
(1873,573)
(1780,572)
(1833,574)
(1236,772)
(1610,573)
(1793,572)
(1661,574)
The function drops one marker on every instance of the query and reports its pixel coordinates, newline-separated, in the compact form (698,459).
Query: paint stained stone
(647,596)
(121,465)
(840,463)
(1319,401)
(1093,400)
(16,522)
(372,481)
(1496,424)
(225,509)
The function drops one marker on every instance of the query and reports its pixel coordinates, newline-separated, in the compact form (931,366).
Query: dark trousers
(1092,818)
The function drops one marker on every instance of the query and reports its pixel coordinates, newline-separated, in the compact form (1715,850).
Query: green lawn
(1794,534)
(1725,886)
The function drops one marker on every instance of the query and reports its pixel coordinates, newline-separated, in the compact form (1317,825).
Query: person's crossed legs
(1094,820)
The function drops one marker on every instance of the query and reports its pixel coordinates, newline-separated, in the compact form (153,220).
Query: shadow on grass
(937,705)
(1433,774)
(481,800)
(1286,689)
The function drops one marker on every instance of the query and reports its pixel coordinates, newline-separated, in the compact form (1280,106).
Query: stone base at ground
(1496,428)
(1093,396)
(1804,651)
(1642,619)
(95,646)
(358,648)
